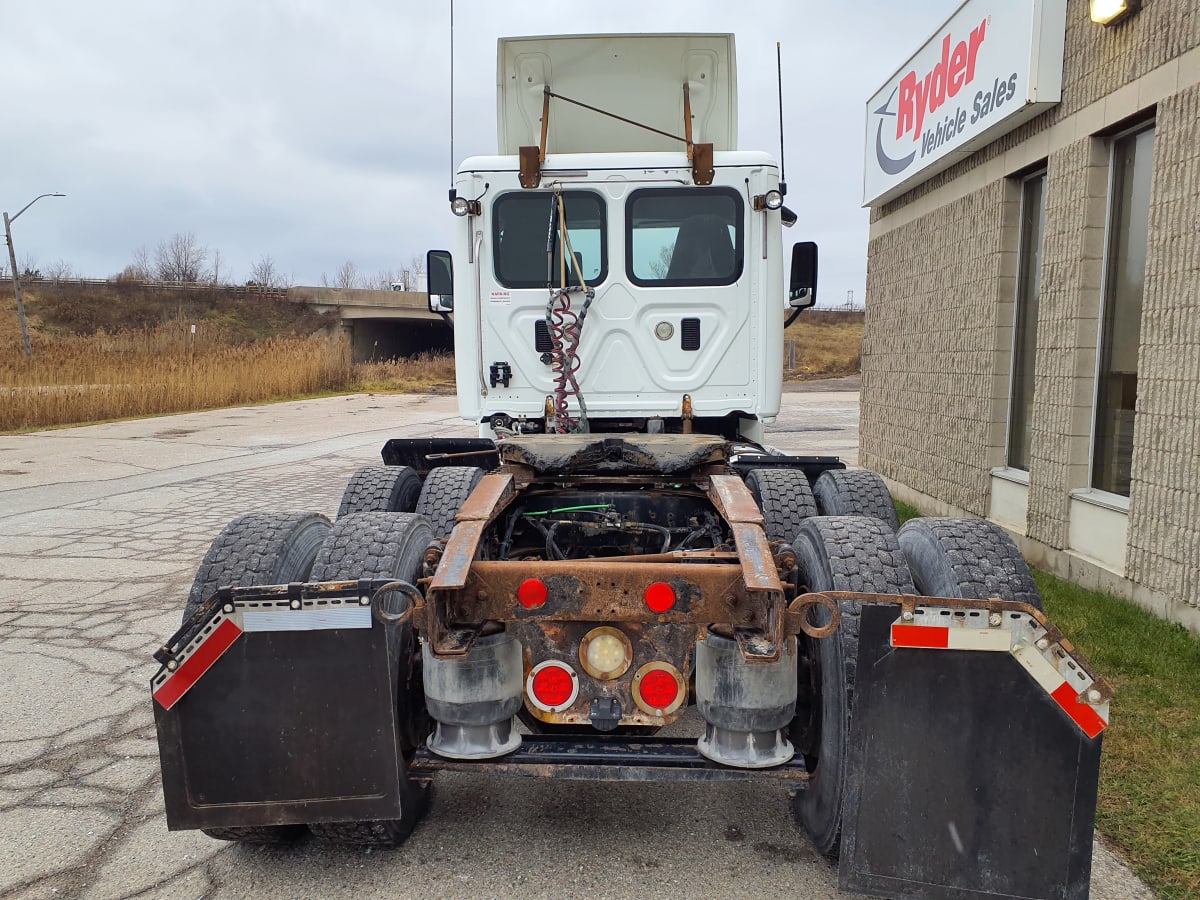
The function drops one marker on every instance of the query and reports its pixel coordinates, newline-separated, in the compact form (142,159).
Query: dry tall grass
(159,370)
(828,345)
(431,372)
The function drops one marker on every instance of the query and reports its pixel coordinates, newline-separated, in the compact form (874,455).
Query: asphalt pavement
(101,530)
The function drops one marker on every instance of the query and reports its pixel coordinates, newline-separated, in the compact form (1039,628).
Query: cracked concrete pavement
(101,530)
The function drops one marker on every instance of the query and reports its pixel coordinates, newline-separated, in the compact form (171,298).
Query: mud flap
(969,774)
(280,711)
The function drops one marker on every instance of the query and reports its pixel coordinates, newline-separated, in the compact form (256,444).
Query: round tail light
(660,597)
(658,689)
(532,593)
(552,686)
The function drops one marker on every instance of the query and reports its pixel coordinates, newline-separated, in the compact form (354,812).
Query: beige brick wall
(1164,509)
(941,260)
(929,355)
(1068,311)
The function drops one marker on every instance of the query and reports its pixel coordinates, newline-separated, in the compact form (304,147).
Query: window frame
(1106,279)
(544,196)
(1019,307)
(739,242)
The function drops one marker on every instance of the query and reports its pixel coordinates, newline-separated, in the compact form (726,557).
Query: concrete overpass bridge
(380,324)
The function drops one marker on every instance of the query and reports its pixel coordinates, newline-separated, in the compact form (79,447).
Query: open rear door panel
(971,773)
(273,715)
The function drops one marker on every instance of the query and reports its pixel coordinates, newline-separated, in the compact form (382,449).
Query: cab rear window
(684,236)
(520,224)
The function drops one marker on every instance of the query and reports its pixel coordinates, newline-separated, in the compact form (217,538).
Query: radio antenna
(452,100)
(779,76)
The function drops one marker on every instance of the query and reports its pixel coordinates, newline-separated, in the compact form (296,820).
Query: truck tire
(384,545)
(445,491)
(837,553)
(855,492)
(785,498)
(381,489)
(259,548)
(969,558)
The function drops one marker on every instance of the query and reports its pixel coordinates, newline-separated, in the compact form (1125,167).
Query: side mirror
(439,269)
(802,289)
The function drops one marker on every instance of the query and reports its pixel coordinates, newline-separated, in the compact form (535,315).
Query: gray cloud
(318,132)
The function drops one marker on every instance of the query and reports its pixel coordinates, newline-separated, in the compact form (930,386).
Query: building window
(1025,319)
(1121,316)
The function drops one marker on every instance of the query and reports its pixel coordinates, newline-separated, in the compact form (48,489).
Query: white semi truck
(619,551)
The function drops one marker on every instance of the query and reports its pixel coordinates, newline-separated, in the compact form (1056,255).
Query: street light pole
(16,276)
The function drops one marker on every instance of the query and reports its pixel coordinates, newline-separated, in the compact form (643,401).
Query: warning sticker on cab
(502,297)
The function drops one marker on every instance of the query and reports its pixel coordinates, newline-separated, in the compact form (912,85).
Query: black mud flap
(971,774)
(280,710)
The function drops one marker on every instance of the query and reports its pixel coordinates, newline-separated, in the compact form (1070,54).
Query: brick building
(1032,346)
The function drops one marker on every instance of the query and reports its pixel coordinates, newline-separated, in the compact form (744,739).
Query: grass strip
(1149,801)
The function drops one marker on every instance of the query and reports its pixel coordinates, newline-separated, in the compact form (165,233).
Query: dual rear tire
(962,558)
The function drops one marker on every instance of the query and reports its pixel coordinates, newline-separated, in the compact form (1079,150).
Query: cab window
(520,224)
(684,236)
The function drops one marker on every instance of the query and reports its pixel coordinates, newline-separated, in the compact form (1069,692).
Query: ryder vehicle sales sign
(992,66)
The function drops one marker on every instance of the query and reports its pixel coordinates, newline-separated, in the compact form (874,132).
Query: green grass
(1149,805)
(1149,801)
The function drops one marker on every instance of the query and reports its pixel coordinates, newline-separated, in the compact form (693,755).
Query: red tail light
(532,593)
(658,688)
(660,597)
(552,686)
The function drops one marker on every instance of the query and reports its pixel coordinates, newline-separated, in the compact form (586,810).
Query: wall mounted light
(1110,12)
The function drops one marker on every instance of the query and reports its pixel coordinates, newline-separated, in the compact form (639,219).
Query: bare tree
(661,266)
(347,276)
(214,269)
(263,273)
(181,258)
(29,268)
(383,280)
(60,270)
(139,269)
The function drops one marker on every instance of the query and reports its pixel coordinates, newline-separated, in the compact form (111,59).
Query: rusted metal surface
(489,498)
(702,164)
(581,454)
(651,643)
(607,759)
(530,174)
(760,575)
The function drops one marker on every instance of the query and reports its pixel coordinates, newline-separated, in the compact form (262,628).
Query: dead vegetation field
(119,353)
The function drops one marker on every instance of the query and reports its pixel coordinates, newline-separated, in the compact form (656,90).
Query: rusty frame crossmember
(740,590)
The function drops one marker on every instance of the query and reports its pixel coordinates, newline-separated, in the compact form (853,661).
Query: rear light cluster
(605,653)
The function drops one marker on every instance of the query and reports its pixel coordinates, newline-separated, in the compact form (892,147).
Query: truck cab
(652,251)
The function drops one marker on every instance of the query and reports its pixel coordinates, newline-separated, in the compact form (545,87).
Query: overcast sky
(317,132)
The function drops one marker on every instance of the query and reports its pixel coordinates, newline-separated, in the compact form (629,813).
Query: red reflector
(201,660)
(934,637)
(553,686)
(532,593)
(1085,717)
(660,597)
(659,689)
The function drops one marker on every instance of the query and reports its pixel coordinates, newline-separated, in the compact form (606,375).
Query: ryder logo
(925,95)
